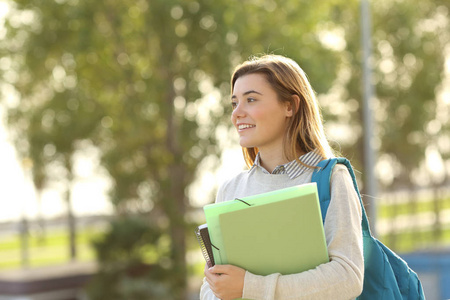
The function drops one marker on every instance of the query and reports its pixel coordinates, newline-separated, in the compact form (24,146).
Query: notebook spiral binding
(205,244)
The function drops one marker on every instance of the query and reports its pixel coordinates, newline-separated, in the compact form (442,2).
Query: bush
(125,272)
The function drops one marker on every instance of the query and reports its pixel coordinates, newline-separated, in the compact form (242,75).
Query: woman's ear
(292,107)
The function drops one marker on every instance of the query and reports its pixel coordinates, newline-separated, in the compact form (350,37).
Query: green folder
(275,232)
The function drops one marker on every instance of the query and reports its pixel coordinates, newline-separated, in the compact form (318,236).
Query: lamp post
(370,182)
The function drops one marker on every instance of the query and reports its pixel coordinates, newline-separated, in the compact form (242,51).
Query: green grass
(51,249)
(391,210)
(416,239)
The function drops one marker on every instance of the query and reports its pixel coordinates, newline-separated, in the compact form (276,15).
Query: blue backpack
(386,275)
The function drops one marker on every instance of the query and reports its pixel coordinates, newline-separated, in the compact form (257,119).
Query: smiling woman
(277,118)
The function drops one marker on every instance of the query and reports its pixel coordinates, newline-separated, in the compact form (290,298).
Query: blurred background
(115,132)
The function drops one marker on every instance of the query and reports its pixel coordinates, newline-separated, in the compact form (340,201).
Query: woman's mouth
(245,126)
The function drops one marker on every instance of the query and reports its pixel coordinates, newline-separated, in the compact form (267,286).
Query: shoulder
(341,183)
(340,177)
(340,170)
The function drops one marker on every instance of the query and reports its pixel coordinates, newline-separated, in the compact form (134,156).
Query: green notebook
(274,232)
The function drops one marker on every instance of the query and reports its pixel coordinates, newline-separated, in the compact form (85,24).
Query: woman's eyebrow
(247,93)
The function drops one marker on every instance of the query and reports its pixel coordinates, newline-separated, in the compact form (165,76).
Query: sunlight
(435,164)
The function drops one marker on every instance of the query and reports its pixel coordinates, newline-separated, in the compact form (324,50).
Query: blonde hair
(305,131)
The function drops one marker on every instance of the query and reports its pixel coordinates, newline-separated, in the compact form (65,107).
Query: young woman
(280,129)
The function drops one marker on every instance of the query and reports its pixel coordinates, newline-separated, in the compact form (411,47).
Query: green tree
(49,118)
(408,44)
(144,81)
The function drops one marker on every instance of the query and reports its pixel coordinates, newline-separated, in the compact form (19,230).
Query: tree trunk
(176,208)
(40,218)
(71,222)
(437,228)
(24,243)
(178,232)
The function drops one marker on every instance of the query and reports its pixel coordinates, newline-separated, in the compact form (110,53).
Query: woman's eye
(251,99)
(233,105)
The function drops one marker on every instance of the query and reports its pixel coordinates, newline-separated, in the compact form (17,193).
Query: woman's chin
(246,144)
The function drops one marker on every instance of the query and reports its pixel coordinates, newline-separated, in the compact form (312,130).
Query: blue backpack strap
(322,176)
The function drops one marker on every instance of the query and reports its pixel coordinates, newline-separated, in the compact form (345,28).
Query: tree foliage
(408,60)
(147,83)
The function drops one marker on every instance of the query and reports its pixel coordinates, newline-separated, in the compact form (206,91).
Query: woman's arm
(342,277)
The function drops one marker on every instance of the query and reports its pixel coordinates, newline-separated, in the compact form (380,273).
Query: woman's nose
(238,112)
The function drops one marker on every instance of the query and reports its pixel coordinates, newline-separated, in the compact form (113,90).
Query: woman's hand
(226,281)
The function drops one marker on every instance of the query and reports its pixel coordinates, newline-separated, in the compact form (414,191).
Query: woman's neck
(269,160)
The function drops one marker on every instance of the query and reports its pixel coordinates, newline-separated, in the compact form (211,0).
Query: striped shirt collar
(293,169)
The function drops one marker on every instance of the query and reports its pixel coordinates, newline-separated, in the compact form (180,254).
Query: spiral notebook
(275,232)
(205,244)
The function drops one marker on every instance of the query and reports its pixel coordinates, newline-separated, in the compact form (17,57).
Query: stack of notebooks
(274,232)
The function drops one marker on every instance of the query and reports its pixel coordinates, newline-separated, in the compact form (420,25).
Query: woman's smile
(242,127)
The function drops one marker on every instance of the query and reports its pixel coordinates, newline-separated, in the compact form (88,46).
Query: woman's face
(259,117)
